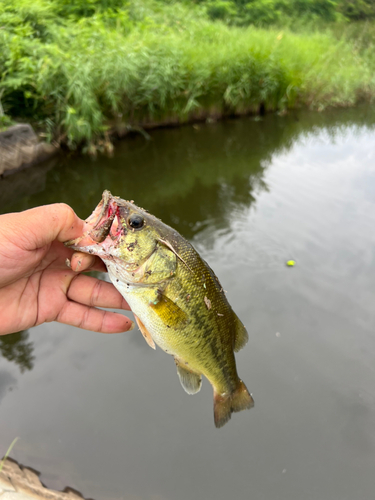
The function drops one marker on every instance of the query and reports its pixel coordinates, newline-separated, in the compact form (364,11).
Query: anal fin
(146,334)
(190,381)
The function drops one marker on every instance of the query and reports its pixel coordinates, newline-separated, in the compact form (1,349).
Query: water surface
(106,414)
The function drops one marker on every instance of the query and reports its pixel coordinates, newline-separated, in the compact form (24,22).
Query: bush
(154,61)
(87,8)
(262,12)
(221,10)
(357,9)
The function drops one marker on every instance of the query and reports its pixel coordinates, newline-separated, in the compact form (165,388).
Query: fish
(176,298)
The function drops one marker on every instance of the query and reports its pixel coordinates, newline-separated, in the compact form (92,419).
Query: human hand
(36,286)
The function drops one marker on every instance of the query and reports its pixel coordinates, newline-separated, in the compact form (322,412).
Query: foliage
(87,8)
(357,9)
(16,348)
(266,12)
(79,68)
(220,9)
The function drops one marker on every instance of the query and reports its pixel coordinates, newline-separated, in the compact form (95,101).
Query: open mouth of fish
(103,227)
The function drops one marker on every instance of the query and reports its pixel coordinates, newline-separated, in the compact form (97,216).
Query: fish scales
(175,296)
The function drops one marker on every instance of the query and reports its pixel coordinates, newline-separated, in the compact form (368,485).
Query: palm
(36,286)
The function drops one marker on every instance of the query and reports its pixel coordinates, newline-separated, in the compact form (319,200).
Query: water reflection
(24,183)
(16,348)
(250,195)
(7,382)
(192,177)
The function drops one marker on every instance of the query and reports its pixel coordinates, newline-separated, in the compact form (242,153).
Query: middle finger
(95,293)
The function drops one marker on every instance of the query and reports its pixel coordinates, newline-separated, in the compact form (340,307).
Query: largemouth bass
(177,300)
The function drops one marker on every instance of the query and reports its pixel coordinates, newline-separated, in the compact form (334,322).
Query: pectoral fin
(190,381)
(242,336)
(168,311)
(146,334)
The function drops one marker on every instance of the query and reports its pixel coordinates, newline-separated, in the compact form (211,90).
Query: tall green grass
(151,62)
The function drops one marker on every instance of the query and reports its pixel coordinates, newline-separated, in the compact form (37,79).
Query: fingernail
(68,264)
(132,326)
(78,265)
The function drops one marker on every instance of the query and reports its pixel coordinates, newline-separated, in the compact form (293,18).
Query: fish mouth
(103,228)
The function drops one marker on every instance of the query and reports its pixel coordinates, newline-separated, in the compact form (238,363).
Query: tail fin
(225,405)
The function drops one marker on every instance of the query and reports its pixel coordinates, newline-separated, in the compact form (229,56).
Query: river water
(106,415)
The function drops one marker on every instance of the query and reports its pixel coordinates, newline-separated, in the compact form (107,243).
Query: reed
(152,62)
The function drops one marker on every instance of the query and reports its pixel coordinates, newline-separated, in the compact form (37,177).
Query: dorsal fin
(242,336)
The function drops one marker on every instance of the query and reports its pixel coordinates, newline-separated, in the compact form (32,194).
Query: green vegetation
(287,12)
(16,348)
(7,453)
(79,69)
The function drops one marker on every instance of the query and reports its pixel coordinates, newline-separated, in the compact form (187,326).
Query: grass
(7,453)
(151,62)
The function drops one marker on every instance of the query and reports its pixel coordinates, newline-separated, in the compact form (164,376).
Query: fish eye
(136,221)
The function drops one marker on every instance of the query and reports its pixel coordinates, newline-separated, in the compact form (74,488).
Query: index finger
(80,262)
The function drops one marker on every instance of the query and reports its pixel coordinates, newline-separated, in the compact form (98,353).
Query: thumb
(40,226)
